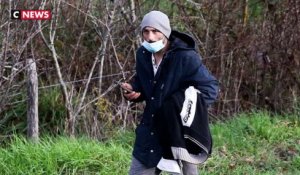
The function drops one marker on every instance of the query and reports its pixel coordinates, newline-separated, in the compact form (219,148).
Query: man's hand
(129,94)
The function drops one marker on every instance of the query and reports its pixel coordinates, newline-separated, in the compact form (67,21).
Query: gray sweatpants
(137,168)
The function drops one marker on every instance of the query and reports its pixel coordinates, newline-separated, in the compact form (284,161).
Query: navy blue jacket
(181,67)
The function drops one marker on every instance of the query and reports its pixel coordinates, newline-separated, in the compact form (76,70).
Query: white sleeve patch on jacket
(189,106)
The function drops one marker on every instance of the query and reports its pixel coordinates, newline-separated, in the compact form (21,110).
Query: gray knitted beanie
(157,20)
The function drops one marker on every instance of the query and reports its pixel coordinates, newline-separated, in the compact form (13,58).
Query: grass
(65,156)
(255,144)
(248,144)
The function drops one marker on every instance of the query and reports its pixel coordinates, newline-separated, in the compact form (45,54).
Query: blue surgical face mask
(154,47)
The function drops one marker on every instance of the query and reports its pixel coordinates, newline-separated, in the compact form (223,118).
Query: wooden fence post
(32,105)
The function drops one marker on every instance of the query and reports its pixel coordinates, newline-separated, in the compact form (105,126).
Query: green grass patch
(255,144)
(66,156)
(249,144)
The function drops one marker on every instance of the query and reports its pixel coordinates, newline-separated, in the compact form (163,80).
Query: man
(166,62)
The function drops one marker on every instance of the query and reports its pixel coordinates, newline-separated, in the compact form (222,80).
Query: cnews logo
(31,14)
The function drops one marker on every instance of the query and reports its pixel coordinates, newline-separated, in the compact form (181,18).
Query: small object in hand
(125,90)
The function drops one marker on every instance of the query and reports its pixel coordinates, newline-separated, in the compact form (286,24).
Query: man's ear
(165,40)
(141,34)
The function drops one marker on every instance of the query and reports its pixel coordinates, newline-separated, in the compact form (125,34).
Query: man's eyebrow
(148,30)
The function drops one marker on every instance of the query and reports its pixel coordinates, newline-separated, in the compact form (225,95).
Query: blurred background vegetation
(251,46)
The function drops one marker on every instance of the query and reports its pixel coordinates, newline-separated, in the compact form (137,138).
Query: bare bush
(251,46)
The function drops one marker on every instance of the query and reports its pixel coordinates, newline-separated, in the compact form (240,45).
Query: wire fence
(76,81)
